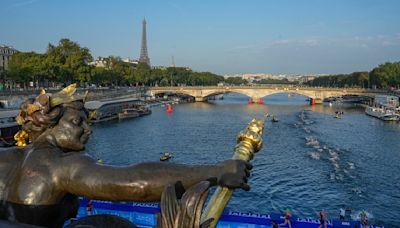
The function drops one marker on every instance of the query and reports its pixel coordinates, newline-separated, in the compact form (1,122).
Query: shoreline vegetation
(68,62)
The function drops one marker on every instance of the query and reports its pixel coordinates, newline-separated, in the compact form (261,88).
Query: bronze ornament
(40,183)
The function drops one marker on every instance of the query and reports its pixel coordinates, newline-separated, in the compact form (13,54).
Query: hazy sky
(221,36)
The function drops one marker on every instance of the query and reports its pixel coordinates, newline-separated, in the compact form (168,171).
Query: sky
(220,36)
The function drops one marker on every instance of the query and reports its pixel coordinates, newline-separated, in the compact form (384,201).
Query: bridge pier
(199,99)
(314,101)
(255,100)
(318,101)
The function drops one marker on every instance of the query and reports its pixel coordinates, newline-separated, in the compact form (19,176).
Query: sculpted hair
(40,121)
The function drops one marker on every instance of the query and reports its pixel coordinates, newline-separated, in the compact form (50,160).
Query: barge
(100,111)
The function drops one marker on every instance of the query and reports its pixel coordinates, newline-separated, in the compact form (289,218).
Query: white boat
(384,108)
(382,113)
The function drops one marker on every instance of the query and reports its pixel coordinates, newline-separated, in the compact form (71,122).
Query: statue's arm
(141,182)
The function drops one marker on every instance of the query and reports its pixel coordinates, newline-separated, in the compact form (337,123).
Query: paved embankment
(12,98)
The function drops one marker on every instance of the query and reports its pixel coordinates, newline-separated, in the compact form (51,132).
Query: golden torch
(249,141)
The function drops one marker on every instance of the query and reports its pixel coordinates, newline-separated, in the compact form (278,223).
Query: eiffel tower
(144,57)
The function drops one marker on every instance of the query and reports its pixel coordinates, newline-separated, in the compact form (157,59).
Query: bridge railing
(276,87)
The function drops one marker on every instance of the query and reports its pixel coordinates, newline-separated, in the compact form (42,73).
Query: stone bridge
(256,92)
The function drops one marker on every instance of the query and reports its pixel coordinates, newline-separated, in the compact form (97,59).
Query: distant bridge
(257,92)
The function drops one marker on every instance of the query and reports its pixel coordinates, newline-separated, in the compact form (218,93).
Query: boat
(165,156)
(143,110)
(8,127)
(382,113)
(128,113)
(274,119)
(338,114)
(104,118)
(145,215)
(384,108)
(106,110)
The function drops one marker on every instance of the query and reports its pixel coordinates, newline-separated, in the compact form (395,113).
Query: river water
(310,160)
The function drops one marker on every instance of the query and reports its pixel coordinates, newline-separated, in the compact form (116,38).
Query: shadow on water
(310,160)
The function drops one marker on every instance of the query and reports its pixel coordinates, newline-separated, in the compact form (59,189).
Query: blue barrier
(145,215)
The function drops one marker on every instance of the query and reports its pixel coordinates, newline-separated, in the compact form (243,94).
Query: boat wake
(341,169)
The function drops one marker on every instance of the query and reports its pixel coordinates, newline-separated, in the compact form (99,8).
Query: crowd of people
(323,221)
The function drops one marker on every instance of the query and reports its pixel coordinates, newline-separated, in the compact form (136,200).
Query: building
(100,62)
(132,62)
(5,55)
(105,62)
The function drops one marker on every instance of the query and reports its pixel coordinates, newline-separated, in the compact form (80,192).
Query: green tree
(142,73)
(385,75)
(68,62)
(235,81)
(27,67)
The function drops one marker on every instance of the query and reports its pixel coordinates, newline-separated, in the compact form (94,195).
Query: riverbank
(12,99)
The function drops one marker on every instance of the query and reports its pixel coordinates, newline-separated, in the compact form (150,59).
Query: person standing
(322,219)
(342,214)
(287,215)
(89,208)
(363,219)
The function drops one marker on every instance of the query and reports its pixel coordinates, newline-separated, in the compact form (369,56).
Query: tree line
(68,62)
(382,77)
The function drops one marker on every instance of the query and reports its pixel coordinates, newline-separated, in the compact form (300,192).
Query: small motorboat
(274,119)
(338,114)
(165,156)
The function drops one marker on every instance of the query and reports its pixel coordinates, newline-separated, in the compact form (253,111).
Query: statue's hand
(234,174)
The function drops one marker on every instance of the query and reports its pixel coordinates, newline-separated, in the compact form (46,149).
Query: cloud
(177,7)
(368,41)
(309,42)
(238,48)
(21,3)
(344,42)
(338,43)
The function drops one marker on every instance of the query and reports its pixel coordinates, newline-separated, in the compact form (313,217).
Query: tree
(103,76)
(387,74)
(356,79)
(142,73)
(27,67)
(235,81)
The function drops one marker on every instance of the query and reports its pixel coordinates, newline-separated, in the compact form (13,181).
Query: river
(310,160)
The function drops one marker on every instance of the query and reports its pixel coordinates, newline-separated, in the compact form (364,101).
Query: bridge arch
(257,92)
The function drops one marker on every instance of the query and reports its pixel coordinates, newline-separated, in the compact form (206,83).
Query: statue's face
(72,130)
